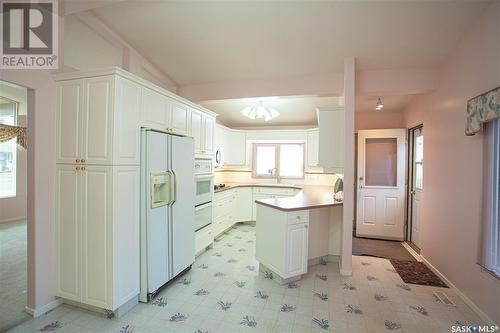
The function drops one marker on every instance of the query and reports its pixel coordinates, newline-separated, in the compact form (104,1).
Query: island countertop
(309,197)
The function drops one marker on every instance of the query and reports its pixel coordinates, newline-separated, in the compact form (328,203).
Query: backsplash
(245,176)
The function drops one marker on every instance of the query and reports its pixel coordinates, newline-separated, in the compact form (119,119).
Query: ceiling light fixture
(379,105)
(260,111)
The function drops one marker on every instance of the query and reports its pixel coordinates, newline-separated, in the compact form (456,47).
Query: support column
(348,207)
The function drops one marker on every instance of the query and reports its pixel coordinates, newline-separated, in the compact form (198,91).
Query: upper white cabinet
(155,109)
(313,147)
(164,113)
(94,124)
(232,144)
(202,130)
(331,139)
(179,120)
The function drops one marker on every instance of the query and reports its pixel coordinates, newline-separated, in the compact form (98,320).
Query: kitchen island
(297,231)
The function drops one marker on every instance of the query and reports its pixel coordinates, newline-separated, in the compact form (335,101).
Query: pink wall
(451,207)
(379,120)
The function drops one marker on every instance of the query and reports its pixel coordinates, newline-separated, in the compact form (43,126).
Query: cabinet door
(70,97)
(236,148)
(258,196)
(127,138)
(155,110)
(68,273)
(312,147)
(179,118)
(196,130)
(297,237)
(208,135)
(243,205)
(96,236)
(97,134)
(331,139)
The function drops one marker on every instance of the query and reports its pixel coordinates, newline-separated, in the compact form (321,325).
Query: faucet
(274,171)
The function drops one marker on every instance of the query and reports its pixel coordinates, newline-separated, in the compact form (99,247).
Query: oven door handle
(204,205)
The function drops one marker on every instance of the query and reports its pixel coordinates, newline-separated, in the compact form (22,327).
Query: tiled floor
(224,293)
(13,273)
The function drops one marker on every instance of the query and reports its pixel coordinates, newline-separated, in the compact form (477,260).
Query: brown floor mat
(415,272)
(380,248)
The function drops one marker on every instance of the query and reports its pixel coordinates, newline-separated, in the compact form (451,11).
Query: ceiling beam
(311,85)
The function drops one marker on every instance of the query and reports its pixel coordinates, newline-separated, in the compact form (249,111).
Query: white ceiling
(213,41)
(294,111)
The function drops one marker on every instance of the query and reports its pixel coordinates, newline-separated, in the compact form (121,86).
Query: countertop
(309,197)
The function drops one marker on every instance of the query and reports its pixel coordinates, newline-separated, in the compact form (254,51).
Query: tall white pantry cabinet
(97,189)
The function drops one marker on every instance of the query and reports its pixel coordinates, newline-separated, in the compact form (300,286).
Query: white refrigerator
(167,209)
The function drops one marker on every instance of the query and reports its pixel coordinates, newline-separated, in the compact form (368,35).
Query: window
(8,153)
(491,228)
(283,159)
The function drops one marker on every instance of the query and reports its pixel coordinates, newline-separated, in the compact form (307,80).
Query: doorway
(13,205)
(415,186)
(381,184)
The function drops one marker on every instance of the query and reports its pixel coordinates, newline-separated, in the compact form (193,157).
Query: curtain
(482,109)
(8,132)
(491,224)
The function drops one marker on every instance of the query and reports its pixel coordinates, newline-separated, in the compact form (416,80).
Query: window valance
(8,132)
(482,109)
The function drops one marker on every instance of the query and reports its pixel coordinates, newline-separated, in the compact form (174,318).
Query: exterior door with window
(416,181)
(381,184)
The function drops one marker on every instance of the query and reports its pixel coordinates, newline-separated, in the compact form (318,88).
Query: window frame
(489,257)
(14,154)
(277,152)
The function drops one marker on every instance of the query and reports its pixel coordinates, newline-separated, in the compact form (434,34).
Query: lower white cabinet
(282,241)
(243,204)
(97,234)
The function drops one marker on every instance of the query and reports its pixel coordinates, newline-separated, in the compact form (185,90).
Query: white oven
(204,189)
(202,216)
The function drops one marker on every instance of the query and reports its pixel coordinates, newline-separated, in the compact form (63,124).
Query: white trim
(35,313)
(344,272)
(13,219)
(412,251)
(467,300)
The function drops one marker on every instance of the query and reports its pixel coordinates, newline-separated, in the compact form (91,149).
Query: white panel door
(381,183)
(97,134)
(68,272)
(297,237)
(196,131)
(96,236)
(69,121)
(155,110)
(179,119)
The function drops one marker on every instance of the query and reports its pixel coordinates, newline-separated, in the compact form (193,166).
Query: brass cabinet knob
(83,168)
(77,168)
(83,161)
(77,161)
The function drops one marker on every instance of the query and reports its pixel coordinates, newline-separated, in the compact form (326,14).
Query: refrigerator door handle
(173,187)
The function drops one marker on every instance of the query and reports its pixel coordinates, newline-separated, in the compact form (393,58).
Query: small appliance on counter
(338,190)
(219,187)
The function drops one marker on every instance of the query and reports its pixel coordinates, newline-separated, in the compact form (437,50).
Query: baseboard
(466,299)
(44,308)
(13,219)
(412,251)
(345,272)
